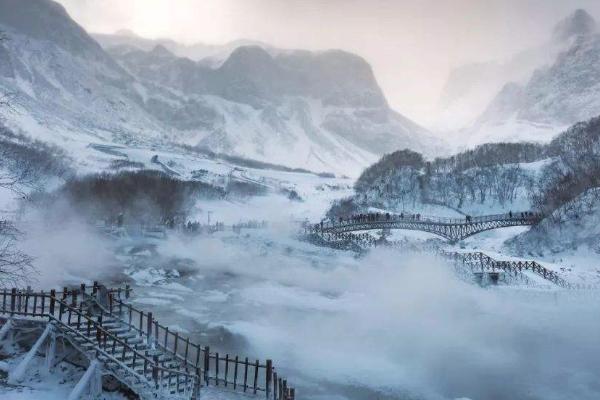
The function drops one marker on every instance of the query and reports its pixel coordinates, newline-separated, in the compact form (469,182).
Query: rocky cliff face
(539,92)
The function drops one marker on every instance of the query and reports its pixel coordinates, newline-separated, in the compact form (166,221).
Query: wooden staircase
(133,347)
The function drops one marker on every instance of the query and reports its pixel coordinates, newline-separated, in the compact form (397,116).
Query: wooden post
(35,301)
(98,335)
(187,348)
(275,393)
(13,299)
(127,289)
(226,369)
(268,377)
(246,374)
(197,384)
(155,371)
(217,368)
(280,387)
(235,373)
(82,288)
(95,288)
(206,364)
(149,327)
(256,366)
(27,298)
(176,342)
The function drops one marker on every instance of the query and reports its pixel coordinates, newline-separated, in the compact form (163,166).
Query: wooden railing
(484,263)
(72,319)
(211,368)
(237,373)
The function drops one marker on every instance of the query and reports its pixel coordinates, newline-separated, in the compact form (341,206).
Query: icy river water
(383,325)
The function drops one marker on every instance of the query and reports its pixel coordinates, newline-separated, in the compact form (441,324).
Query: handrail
(157,370)
(71,310)
(203,357)
(365,240)
(532,265)
(18,306)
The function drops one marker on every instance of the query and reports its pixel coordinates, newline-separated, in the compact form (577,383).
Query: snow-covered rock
(575,224)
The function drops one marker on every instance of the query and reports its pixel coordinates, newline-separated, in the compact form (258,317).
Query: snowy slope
(554,97)
(321,111)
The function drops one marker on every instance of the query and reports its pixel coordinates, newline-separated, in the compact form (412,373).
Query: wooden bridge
(481,263)
(131,346)
(453,229)
(476,262)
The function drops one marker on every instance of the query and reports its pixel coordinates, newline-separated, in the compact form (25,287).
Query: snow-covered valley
(268,205)
(340,325)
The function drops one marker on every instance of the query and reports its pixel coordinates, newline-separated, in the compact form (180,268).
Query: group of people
(196,227)
(523,215)
(375,217)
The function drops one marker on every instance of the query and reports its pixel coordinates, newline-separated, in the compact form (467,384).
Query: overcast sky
(411,44)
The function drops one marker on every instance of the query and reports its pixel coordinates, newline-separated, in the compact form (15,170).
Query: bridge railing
(424,219)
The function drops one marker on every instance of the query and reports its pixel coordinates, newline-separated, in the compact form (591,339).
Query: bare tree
(16,174)
(16,267)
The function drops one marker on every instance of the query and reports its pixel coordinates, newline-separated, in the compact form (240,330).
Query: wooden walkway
(129,344)
(477,262)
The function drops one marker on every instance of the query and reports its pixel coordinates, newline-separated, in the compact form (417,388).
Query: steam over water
(385,325)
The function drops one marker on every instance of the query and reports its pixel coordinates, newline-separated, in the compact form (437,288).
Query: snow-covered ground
(335,324)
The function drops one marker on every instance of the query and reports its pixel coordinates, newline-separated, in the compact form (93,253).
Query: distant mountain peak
(126,33)
(579,23)
(161,51)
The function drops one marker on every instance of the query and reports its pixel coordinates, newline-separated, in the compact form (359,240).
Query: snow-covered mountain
(554,97)
(321,111)
(470,88)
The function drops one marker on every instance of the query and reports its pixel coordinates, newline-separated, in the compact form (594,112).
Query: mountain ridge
(321,111)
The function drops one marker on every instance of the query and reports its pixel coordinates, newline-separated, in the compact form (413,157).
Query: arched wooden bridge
(453,229)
